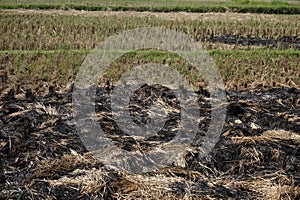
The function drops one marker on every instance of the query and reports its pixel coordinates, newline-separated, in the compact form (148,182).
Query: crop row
(239,69)
(46,32)
(242,6)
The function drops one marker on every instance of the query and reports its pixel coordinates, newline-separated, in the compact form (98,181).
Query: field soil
(257,155)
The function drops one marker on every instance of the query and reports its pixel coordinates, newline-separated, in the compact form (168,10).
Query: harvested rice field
(254,155)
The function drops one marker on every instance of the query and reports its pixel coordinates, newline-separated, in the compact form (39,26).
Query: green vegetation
(238,68)
(243,6)
(242,69)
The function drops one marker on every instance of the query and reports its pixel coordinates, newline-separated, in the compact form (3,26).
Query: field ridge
(263,8)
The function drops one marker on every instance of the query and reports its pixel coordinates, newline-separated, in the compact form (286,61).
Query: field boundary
(211,52)
(242,8)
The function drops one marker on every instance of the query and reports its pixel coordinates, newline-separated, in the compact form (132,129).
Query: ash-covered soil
(257,156)
(282,42)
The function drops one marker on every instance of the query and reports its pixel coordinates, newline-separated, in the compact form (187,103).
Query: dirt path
(165,16)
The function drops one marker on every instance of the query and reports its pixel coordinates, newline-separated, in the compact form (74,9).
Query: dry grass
(159,185)
(272,136)
(266,187)
(48,30)
(67,163)
(91,181)
(147,187)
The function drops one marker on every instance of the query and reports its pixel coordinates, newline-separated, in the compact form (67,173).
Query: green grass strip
(239,8)
(239,68)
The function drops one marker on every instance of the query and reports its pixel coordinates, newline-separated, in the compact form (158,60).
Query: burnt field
(257,155)
(284,42)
